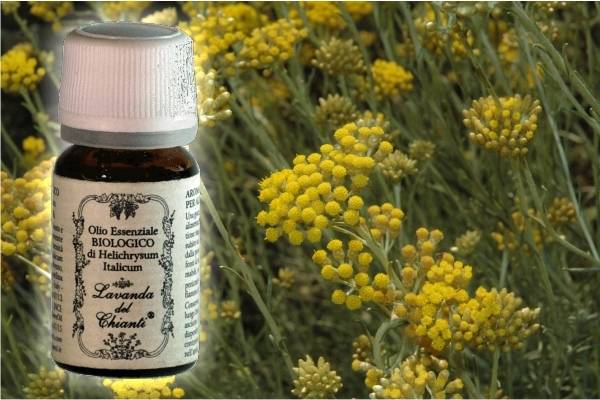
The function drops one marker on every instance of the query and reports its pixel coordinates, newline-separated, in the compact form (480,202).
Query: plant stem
(494,378)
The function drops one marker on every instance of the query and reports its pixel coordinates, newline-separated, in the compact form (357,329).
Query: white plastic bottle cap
(128,85)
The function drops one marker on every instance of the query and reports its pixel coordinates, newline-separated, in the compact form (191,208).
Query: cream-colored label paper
(125,279)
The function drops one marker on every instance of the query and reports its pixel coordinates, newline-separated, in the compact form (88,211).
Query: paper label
(125,279)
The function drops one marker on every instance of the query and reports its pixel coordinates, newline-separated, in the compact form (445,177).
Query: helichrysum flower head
(217,29)
(465,244)
(26,211)
(415,378)
(152,388)
(385,220)
(8,277)
(20,69)
(421,150)
(123,10)
(398,165)
(520,76)
(512,239)
(166,16)
(303,200)
(51,11)
(244,17)
(34,149)
(285,277)
(270,45)
(230,310)
(349,265)
(494,320)
(428,311)
(315,381)
(10,7)
(339,57)
(561,212)
(391,79)
(335,111)
(436,34)
(46,384)
(327,13)
(361,351)
(213,99)
(505,125)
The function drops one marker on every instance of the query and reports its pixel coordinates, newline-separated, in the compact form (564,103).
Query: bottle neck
(128,140)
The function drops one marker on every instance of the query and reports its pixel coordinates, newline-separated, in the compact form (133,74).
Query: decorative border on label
(123,346)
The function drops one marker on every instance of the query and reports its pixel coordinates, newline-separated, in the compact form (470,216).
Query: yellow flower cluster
(429,309)
(421,150)
(440,312)
(351,268)
(41,280)
(436,35)
(212,99)
(339,57)
(305,199)
(230,310)
(45,384)
(493,320)
(561,212)
(8,277)
(152,388)
(213,37)
(361,361)
(26,211)
(390,79)
(122,10)
(327,13)
(505,125)
(398,165)
(465,244)
(385,221)
(51,11)
(315,381)
(510,55)
(270,45)
(335,111)
(416,377)
(243,16)
(33,150)
(34,146)
(166,16)
(10,7)
(513,240)
(285,277)
(20,69)
(208,308)
(361,349)
(508,48)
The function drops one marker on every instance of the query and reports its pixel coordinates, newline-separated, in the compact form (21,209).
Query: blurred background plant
(355,125)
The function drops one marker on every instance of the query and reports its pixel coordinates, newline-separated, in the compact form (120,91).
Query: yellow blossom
(166,16)
(151,388)
(46,384)
(51,11)
(391,79)
(505,125)
(123,10)
(20,69)
(270,45)
(315,381)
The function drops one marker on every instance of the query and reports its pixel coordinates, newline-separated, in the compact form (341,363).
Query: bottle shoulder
(117,165)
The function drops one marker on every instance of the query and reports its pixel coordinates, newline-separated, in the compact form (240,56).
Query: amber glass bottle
(125,204)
